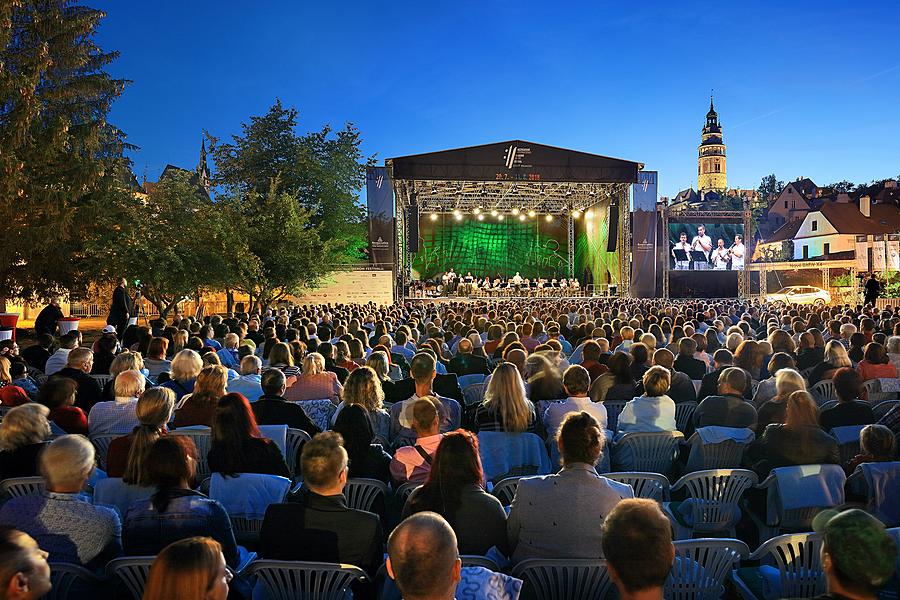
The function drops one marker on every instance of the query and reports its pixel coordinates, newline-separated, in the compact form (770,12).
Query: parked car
(801,294)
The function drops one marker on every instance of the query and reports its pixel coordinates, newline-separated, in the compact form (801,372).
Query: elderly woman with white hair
(23,435)
(315,383)
(186,365)
(892,345)
(61,519)
(120,415)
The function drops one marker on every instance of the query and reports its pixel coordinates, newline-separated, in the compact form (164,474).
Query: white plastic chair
(132,572)
(883,408)
(203,441)
(727,454)
(564,579)
(512,454)
(102,379)
(101,444)
(873,391)
(16,487)
(245,498)
(505,490)
(467,380)
(363,494)
(847,437)
(287,580)
(112,491)
(713,497)
(613,410)
(648,452)
(294,441)
(823,391)
(70,582)
(473,394)
(701,566)
(684,414)
(797,559)
(402,493)
(652,486)
(778,519)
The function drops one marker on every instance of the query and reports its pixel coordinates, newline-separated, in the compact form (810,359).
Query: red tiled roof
(846,218)
(785,232)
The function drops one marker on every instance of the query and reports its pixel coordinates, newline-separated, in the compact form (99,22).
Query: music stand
(698,257)
(681,255)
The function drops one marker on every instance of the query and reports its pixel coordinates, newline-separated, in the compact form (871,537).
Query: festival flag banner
(643,239)
(878,258)
(893,252)
(380,202)
(862,253)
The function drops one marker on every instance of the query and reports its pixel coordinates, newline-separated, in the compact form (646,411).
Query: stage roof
(509,175)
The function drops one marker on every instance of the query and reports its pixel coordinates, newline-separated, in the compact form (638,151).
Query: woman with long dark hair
(237,446)
(455,490)
(367,459)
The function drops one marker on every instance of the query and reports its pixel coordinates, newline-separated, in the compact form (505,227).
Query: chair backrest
(847,437)
(319,412)
(132,572)
(16,487)
(882,481)
(249,494)
(102,379)
(883,408)
(796,494)
(727,454)
(829,404)
(563,579)
(112,491)
(203,441)
(798,560)
(652,486)
(701,566)
(505,490)
(467,380)
(649,452)
(873,390)
(278,434)
(823,391)
(101,444)
(471,560)
(403,492)
(287,580)
(512,454)
(70,581)
(473,394)
(684,414)
(294,440)
(713,496)
(363,494)
(613,410)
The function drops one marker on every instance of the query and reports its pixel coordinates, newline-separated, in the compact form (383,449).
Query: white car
(801,294)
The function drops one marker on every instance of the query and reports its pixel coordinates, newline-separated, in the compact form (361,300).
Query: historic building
(711,175)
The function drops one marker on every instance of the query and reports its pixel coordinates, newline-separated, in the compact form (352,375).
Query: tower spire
(711,99)
(202,167)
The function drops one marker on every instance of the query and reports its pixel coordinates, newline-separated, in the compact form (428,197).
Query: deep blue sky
(802,88)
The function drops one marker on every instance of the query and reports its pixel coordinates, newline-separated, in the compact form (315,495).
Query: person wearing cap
(466,362)
(858,555)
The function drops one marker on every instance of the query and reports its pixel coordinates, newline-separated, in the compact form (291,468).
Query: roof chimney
(865,207)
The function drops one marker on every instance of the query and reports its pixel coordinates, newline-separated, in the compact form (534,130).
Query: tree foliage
(841,187)
(770,187)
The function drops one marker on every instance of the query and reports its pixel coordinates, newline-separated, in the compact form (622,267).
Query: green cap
(860,548)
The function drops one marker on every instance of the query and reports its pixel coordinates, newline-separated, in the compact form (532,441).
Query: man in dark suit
(728,408)
(327,350)
(78,366)
(686,363)
(467,363)
(273,409)
(709,386)
(317,525)
(120,310)
(48,319)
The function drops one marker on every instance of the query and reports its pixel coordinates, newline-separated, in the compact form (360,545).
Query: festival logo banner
(893,257)
(380,201)
(878,258)
(862,253)
(643,239)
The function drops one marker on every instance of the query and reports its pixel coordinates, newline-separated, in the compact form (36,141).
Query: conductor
(120,309)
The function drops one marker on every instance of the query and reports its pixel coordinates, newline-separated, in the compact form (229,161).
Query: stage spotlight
(548,218)
(433,217)
(477,210)
(521,217)
(576,214)
(588,215)
(515,211)
(458,216)
(531,213)
(494,213)
(457,213)
(500,217)
(481,217)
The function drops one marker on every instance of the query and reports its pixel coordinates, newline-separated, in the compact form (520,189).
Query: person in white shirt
(58,359)
(737,254)
(701,243)
(249,383)
(719,256)
(654,411)
(682,265)
(577,383)
(120,415)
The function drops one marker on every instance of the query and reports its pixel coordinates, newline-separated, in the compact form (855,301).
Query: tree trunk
(2,304)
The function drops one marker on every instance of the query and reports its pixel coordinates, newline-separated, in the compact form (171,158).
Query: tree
(770,187)
(57,150)
(842,187)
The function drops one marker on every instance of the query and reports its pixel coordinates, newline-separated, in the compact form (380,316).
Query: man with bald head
(79,363)
(681,389)
(466,362)
(423,559)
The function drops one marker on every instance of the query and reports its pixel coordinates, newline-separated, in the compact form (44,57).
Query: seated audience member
(199,407)
(237,446)
(787,381)
(640,360)
(104,353)
(835,358)
(364,390)
(686,363)
(367,459)
(119,415)
(856,351)
(58,359)
(765,391)
(345,356)
(709,385)
(273,409)
(211,359)
(329,352)
(506,406)
(61,519)
(728,408)
(876,444)
(797,441)
(413,463)
(423,559)
(876,364)
(618,383)
(248,384)
(543,377)
(591,353)
(18,372)
(654,411)
(228,355)
(186,366)
(125,456)
(23,434)
(466,362)
(849,410)
(10,395)
(155,361)
(892,345)
(78,367)
(858,555)
(175,511)
(314,383)
(58,394)
(561,515)
(637,544)
(37,355)
(318,525)
(809,354)
(24,572)
(192,568)
(681,388)
(125,361)
(455,490)
(576,382)
(422,370)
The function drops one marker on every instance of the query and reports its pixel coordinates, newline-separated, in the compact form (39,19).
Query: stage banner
(878,262)
(380,201)
(862,253)
(643,235)
(893,251)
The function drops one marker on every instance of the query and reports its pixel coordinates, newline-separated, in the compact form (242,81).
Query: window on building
(785,204)
(717,167)
(815,225)
(826,249)
(805,252)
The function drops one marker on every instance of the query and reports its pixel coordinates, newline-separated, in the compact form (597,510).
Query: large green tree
(770,187)
(58,153)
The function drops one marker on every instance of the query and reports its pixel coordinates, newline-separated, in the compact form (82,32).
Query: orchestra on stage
(700,255)
(451,283)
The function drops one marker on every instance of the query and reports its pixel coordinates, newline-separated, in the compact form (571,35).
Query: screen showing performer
(706,247)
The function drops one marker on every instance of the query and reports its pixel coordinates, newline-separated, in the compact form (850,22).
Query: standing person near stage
(47,320)
(120,309)
(719,256)
(682,265)
(701,243)
(873,289)
(737,252)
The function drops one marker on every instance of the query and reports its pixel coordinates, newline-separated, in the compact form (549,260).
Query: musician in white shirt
(517,279)
(701,243)
(738,250)
(682,265)
(719,256)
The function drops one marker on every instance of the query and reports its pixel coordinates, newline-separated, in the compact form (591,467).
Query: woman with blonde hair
(787,381)
(199,407)
(835,357)
(797,441)
(314,383)
(23,434)
(186,367)
(363,389)
(506,406)
(179,342)
(189,569)
(124,361)
(126,454)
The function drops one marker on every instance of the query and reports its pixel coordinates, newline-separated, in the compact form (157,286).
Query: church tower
(711,159)
(202,168)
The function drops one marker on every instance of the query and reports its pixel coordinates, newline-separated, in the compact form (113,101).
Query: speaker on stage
(613,240)
(412,227)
